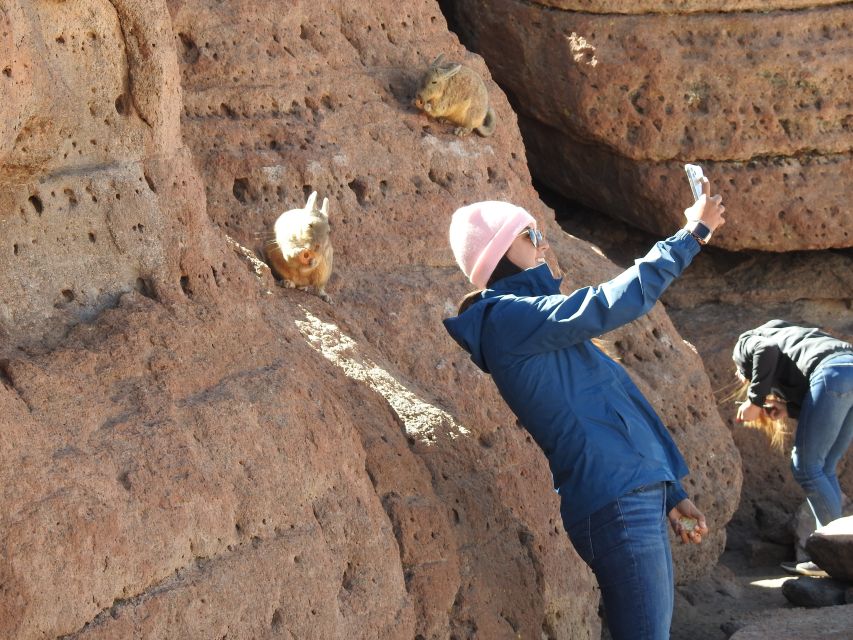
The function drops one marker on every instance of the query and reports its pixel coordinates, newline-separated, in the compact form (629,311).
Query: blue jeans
(626,544)
(824,432)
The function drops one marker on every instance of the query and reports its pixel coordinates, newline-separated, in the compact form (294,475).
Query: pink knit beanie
(481,233)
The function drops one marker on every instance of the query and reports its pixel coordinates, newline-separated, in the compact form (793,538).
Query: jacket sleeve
(765,359)
(675,493)
(592,311)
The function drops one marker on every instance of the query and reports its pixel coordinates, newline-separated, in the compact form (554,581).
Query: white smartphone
(694,177)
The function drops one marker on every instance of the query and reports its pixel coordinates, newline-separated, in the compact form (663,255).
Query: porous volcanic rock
(614,97)
(98,195)
(678,6)
(192,451)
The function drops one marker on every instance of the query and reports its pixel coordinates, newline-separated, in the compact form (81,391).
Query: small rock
(814,592)
(831,548)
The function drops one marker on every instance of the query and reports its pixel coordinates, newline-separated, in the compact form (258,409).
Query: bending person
(613,462)
(802,373)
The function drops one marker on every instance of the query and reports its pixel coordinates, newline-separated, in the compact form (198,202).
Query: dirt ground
(734,595)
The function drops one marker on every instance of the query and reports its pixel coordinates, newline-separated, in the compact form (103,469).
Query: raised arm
(591,311)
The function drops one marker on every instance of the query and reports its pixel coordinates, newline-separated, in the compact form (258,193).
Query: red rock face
(761,100)
(191,451)
(99,194)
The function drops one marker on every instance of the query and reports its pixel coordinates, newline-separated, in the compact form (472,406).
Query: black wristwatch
(699,230)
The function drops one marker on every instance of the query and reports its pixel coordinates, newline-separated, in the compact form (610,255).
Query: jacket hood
(467,328)
(742,353)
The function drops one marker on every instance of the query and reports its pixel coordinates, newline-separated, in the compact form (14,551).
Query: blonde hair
(775,428)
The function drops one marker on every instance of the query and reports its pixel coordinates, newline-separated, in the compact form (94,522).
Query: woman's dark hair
(504,269)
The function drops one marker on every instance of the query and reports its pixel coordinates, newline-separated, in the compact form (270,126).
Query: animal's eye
(433,81)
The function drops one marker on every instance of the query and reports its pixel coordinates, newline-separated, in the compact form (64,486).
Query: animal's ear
(325,208)
(450,71)
(438,60)
(309,206)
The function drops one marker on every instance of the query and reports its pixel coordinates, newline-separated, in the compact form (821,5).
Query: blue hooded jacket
(602,438)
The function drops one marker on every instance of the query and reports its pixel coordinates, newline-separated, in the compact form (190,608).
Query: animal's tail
(488,127)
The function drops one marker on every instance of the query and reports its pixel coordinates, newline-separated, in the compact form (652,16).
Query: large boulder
(615,96)
(831,548)
(191,451)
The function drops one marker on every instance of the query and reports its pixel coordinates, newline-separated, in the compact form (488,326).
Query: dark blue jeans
(626,544)
(824,432)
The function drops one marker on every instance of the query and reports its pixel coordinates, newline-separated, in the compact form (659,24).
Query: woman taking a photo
(802,373)
(613,462)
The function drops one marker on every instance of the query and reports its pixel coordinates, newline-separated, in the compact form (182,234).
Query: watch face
(702,232)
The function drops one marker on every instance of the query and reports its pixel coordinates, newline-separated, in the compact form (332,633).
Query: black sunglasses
(534,234)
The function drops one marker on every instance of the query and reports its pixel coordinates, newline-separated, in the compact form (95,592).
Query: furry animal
(452,92)
(300,252)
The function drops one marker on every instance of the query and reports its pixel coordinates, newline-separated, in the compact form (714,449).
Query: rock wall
(633,90)
(191,451)
(99,194)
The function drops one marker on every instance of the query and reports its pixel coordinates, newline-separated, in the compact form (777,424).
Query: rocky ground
(739,597)
(743,600)
(735,594)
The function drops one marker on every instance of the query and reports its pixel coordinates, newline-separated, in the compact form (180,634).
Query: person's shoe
(807,568)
